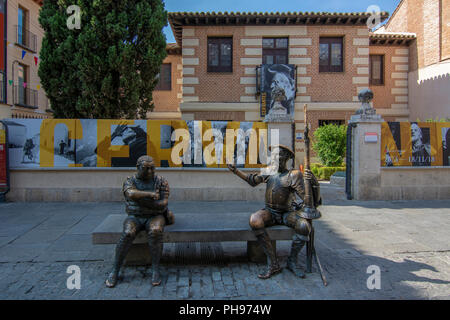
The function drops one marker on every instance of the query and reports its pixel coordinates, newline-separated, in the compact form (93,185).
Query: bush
(324,173)
(330,144)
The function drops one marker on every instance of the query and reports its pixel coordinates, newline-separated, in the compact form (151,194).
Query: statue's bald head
(145,167)
(143,159)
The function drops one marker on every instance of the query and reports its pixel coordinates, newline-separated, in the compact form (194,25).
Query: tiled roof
(179,19)
(173,48)
(391,38)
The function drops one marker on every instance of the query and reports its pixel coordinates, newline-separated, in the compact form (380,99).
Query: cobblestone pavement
(408,241)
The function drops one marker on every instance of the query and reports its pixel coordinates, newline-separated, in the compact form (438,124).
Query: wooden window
(165,77)
(22,25)
(376,71)
(220,54)
(330,55)
(275,50)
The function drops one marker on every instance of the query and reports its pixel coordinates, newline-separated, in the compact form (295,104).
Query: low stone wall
(415,183)
(95,184)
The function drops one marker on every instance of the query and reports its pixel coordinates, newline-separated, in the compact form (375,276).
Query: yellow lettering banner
(119,143)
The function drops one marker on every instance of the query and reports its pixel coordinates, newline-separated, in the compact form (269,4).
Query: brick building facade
(330,95)
(429,55)
(22,95)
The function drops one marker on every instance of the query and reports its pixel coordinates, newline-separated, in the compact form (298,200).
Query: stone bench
(191,227)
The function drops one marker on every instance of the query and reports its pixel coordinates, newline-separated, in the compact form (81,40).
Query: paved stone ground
(408,241)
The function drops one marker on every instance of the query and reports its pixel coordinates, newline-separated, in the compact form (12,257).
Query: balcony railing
(25,97)
(26,39)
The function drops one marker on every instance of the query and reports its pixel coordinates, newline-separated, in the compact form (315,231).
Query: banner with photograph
(277,99)
(119,143)
(3,164)
(415,144)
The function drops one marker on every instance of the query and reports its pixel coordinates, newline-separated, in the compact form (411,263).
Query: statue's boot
(292,262)
(156,247)
(273,266)
(122,248)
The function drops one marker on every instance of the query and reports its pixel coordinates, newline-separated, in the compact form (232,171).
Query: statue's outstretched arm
(251,179)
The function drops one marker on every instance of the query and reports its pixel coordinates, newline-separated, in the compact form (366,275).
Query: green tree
(58,69)
(109,67)
(330,144)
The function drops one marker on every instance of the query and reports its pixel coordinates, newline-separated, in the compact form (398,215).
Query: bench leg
(138,255)
(256,254)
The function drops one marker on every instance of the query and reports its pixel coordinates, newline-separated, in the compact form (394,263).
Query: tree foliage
(330,144)
(109,67)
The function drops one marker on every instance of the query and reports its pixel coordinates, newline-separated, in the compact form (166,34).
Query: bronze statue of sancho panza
(146,195)
(281,208)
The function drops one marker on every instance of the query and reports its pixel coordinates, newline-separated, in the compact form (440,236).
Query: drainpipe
(348,162)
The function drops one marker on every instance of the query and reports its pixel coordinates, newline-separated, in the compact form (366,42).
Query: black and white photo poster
(277,92)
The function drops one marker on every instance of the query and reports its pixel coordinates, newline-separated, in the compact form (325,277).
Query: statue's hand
(308,175)
(154,196)
(231,167)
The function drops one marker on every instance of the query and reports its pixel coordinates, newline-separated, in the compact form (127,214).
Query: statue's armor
(281,189)
(146,207)
(279,195)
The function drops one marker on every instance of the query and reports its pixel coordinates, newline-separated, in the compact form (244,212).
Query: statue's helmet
(284,151)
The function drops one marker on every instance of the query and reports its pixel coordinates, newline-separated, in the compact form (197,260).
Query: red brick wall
(335,87)
(445,29)
(383,96)
(216,86)
(227,87)
(168,100)
(428,19)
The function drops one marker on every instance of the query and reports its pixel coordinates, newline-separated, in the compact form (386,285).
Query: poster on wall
(445,131)
(416,144)
(3,163)
(106,143)
(24,142)
(277,99)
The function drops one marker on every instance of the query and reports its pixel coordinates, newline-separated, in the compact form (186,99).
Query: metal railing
(25,38)
(25,97)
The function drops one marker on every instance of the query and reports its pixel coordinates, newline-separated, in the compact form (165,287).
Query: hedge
(324,173)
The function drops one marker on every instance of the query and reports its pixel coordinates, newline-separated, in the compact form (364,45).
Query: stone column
(285,136)
(366,146)
(285,133)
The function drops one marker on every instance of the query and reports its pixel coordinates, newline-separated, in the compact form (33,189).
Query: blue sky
(274,6)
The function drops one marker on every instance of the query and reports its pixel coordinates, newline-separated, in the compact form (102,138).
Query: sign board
(371,137)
